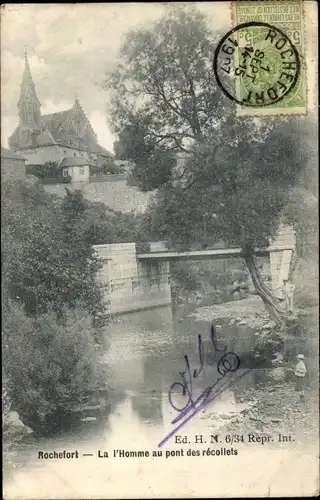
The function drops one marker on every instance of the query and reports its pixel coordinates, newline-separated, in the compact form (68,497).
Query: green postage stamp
(270,69)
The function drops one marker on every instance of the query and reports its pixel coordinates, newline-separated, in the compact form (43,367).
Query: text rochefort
(58,454)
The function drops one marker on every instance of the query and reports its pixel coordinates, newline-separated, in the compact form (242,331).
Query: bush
(113,169)
(131,180)
(49,170)
(49,366)
(48,259)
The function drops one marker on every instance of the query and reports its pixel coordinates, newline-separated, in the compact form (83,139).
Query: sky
(71,48)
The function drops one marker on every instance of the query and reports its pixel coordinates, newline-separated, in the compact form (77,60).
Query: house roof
(75,161)
(6,153)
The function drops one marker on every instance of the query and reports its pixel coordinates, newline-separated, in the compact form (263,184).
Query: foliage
(131,180)
(237,193)
(184,276)
(118,152)
(49,366)
(113,169)
(48,170)
(102,225)
(47,261)
(237,172)
(301,212)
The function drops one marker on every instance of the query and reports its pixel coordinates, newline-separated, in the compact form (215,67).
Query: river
(145,355)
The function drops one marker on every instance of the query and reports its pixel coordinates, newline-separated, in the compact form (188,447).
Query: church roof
(69,128)
(45,138)
(53,123)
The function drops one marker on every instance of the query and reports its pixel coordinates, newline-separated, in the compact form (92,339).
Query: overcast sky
(71,48)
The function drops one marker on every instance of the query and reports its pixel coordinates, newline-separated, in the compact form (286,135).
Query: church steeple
(77,105)
(28,104)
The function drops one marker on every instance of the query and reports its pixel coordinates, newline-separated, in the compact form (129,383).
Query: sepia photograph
(160,250)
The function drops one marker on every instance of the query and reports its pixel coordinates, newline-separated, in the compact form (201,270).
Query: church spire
(28,104)
(77,104)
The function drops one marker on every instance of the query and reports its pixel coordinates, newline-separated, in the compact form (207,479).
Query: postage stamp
(270,71)
(266,65)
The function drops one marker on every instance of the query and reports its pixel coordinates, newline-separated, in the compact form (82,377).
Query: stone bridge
(134,281)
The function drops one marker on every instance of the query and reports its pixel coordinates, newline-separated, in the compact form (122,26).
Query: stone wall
(116,195)
(280,262)
(12,169)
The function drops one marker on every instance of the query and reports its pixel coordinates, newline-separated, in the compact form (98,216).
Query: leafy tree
(48,170)
(118,151)
(98,224)
(47,262)
(301,212)
(49,366)
(237,172)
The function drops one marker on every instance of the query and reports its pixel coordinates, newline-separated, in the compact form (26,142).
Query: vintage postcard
(159,181)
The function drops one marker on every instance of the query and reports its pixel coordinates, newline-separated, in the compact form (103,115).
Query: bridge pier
(131,285)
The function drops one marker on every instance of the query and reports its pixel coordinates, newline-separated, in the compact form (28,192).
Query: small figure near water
(288,291)
(300,372)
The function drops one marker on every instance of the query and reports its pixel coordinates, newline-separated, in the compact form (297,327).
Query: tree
(99,224)
(237,172)
(48,170)
(50,367)
(48,262)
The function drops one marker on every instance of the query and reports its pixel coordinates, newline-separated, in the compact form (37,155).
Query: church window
(81,171)
(65,172)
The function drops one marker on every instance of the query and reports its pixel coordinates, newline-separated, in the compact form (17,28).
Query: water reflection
(147,352)
(148,408)
(145,355)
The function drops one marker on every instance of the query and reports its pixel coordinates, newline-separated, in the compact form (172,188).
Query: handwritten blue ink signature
(228,363)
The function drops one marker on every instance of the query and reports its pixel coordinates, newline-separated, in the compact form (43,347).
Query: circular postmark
(256,64)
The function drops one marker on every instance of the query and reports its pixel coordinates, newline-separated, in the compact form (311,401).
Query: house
(13,166)
(77,169)
(53,137)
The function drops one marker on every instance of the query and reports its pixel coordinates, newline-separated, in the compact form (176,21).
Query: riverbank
(247,312)
(274,406)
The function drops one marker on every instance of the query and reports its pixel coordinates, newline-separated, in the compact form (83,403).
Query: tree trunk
(270,301)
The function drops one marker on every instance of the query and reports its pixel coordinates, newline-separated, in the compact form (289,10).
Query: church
(56,137)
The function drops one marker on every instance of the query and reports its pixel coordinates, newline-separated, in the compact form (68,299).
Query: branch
(175,109)
(173,137)
(195,119)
